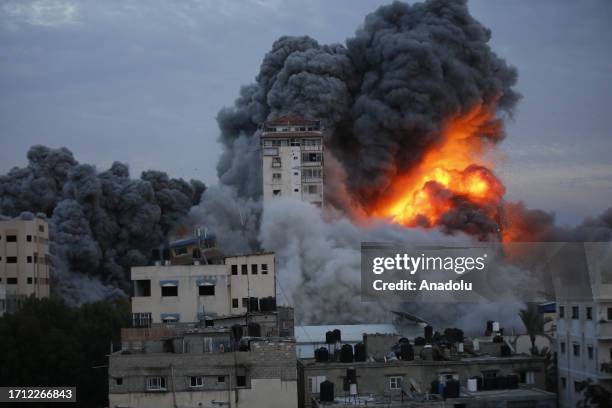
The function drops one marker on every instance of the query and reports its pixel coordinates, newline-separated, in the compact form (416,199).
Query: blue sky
(142,81)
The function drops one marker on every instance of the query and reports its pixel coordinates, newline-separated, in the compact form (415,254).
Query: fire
(454,171)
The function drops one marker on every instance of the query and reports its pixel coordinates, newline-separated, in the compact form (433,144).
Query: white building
(584,323)
(195,293)
(292,157)
(24,259)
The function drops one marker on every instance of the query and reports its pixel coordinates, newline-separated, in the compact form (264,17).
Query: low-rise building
(205,367)
(24,259)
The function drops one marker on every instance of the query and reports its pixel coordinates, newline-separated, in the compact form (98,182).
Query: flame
(454,169)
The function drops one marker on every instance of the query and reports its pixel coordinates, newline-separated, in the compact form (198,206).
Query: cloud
(42,13)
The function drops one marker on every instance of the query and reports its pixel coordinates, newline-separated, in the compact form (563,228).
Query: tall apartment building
(584,320)
(292,157)
(24,259)
(197,293)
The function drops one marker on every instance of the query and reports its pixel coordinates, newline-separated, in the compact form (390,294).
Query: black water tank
(237,332)
(326,391)
(253,304)
(489,383)
(505,350)
(360,352)
(451,389)
(428,333)
(346,354)
(166,254)
(513,381)
(155,254)
(321,355)
(196,253)
(337,335)
(254,330)
(502,382)
(351,375)
(435,385)
(489,328)
(329,337)
(420,341)
(406,352)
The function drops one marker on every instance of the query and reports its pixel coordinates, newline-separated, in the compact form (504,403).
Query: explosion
(453,172)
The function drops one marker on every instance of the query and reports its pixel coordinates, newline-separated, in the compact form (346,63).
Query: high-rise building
(292,157)
(24,259)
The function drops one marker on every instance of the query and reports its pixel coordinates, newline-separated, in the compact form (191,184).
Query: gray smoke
(101,223)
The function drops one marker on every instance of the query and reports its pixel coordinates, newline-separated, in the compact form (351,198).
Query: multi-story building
(206,367)
(168,293)
(292,157)
(2,300)
(24,259)
(584,322)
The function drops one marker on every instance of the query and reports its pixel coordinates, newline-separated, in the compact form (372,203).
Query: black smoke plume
(101,223)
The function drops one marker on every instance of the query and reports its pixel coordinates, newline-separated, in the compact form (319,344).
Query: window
(589,313)
(610,313)
(235,303)
(119,380)
(244,270)
(11,259)
(245,302)
(313,189)
(29,259)
(562,347)
(207,290)
(142,288)
(11,281)
(395,383)
(296,190)
(529,377)
(276,176)
(196,381)
(156,383)
(576,348)
(241,381)
(590,352)
(561,311)
(221,379)
(264,269)
(234,269)
(575,312)
(168,291)
(11,238)
(141,319)
(610,353)
(313,173)
(41,228)
(314,383)
(29,280)
(29,238)
(253,269)
(563,382)
(276,162)
(276,192)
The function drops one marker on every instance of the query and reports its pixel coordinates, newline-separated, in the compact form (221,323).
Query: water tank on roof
(254,330)
(495,326)
(166,254)
(472,384)
(237,332)
(505,350)
(253,304)
(326,389)
(451,389)
(321,355)
(428,333)
(338,335)
(435,387)
(329,337)
(420,341)
(346,353)
(406,352)
(360,352)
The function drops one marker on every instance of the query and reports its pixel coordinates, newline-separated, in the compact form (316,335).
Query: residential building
(293,159)
(584,320)
(2,300)
(168,293)
(205,367)
(24,259)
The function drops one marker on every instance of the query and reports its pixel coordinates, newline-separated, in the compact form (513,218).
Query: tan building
(196,293)
(293,159)
(24,259)
(207,367)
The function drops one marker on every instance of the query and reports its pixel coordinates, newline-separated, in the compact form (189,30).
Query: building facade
(196,293)
(584,324)
(293,159)
(205,368)
(24,259)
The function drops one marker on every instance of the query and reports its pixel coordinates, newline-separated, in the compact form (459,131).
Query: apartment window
(235,303)
(610,313)
(576,349)
(562,347)
(169,291)
(119,380)
(29,238)
(264,269)
(313,189)
(11,259)
(561,311)
(276,162)
(11,238)
(156,383)
(234,269)
(29,280)
(241,381)
(563,382)
(575,312)
(276,192)
(29,259)
(245,302)
(207,290)
(221,379)
(589,313)
(296,190)
(11,281)
(314,383)
(276,176)
(244,269)
(590,352)
(395,383)
(254,269)
(41,228)
(529,377)
(196,381)
(142,288)
(141,319)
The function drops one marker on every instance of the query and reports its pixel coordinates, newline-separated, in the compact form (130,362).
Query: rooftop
(291,120)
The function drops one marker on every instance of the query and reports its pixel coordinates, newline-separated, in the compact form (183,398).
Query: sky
(141,82)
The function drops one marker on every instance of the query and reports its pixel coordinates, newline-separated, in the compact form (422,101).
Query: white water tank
(476,344)
(460,347)
(472,384)
(495,327)
(353,389)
